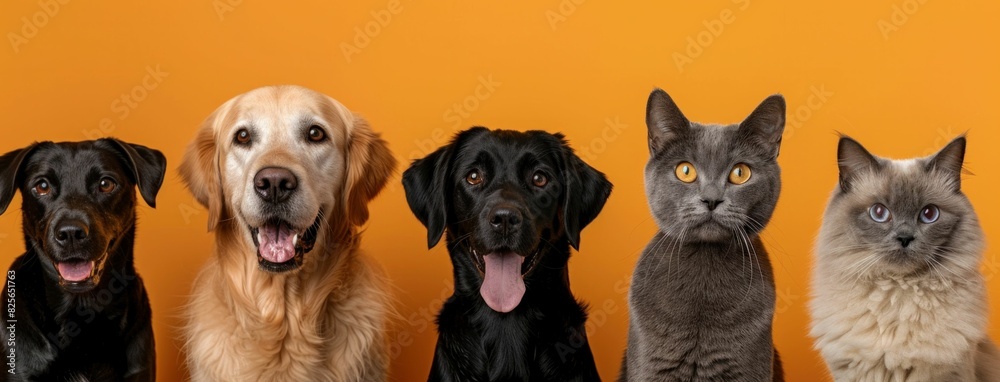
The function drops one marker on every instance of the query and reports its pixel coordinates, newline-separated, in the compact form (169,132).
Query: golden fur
(324,321)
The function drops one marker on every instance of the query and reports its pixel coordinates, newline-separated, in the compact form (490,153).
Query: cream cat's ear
(853,160)
(664,120)
(767,121)
(949,161)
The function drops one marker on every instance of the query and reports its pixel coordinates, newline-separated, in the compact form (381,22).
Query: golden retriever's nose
(275,184)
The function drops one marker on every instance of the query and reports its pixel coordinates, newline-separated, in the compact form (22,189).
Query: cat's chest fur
(908,324)
(702,312)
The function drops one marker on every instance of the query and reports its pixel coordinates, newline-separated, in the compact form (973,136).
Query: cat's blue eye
(879,213)
(930,214)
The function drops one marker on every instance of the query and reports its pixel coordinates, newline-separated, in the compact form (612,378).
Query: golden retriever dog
(286,174)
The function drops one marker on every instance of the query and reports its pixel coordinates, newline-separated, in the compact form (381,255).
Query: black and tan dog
(81,310)
(512,203)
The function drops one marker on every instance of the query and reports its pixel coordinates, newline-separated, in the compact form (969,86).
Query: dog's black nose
(711,203)
(505,219)
(904,240)
(275,184)
(71,232)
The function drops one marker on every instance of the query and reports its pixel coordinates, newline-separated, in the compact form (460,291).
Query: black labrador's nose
(711,203)
(275,184)
(70,233)
(904,240)
(505,219)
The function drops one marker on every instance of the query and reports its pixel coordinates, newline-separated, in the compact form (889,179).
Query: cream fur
(899,329)
(876,320)
(326,320)
(326,325)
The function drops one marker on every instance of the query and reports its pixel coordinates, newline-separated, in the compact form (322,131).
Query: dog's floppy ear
(10,172)
(148,167)
(369,166)
(424,183)
(200,167)
(586,192)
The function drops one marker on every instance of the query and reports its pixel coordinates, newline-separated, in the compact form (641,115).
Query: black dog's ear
(148,167)
(425,185)
(586,192)
(10,171)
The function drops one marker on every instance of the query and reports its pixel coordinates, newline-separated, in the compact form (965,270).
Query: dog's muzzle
(280,247)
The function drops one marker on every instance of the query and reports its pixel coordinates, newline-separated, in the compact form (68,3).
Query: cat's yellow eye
(739,174)
(685,172)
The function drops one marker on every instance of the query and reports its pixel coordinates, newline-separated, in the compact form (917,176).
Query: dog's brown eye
(474,177)
(316,134)
(539,179)
(106,185)
(42,188)
(243,136)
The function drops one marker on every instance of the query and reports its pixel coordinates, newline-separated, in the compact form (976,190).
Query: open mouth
(80,273)
(280,246)
(503,277)
(76,270)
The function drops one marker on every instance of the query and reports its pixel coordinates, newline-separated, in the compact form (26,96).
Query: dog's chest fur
(326,326)
(905,329)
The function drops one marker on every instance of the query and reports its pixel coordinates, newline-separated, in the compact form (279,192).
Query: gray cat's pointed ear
(767,121)
(853,159)
(664,120)
(949,161)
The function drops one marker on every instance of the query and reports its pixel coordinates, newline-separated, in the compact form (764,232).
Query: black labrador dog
(81,310)
(512,203)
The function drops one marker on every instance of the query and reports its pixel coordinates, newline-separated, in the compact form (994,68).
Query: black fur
(98,329)
(543,338)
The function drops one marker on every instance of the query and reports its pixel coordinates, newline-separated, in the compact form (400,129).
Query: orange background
(901,76)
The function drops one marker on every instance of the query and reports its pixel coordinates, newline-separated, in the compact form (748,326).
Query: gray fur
(902,298)
(702,297)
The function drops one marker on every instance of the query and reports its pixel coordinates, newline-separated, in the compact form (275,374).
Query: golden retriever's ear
(369,166)
(200,169)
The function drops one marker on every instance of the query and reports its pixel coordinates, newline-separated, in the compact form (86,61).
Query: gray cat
(702,297)
(898,295)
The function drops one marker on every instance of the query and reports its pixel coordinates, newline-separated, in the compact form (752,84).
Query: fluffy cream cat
(898,295)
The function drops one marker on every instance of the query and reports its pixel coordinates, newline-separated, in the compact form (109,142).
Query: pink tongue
(75,270)
(276,243)
(503,286)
